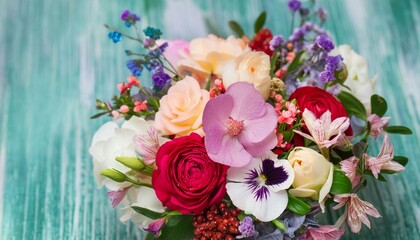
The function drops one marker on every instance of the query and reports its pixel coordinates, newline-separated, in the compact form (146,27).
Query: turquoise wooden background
(55,59)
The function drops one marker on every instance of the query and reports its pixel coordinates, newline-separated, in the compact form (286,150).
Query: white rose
(111,141)
(251,67)
(313,174)
(358,79)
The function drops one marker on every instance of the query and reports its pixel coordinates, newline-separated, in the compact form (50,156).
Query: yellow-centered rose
(207,56)
(313,174)
(251,67)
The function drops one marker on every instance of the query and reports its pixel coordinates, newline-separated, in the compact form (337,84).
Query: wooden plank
(55,59)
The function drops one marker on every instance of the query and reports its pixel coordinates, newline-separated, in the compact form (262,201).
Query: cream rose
(251,67)
(208,55)
(358,79)
(313,174)
(181,110)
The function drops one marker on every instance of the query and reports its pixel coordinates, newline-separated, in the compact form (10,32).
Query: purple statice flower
(294,5)
(153,33)
(276,42)
(134,67)
(239,125)
(163,47)
(125,14)
(246,228)
(115,36)
(322,14)
(263,182)
(159,77)
(334,63)
(147,42)
(300,32)
(303,11)
(129,18)
(155,226)
(324,42)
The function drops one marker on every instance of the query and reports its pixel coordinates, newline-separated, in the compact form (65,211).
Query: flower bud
(341,75)
(132,162)
(114,174)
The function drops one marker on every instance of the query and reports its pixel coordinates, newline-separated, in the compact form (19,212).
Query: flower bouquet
(243,137)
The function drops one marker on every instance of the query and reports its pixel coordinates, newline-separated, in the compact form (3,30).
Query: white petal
(239,174)
(266,209)
(290,172)
(326,188)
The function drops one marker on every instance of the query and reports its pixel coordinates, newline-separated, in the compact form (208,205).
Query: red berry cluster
(261,41)
(217,222)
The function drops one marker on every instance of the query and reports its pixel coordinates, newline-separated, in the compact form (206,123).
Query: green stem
(139,183)
(279,225)
(325,152)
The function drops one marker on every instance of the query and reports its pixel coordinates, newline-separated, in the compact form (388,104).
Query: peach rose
(181,110)
(251,67)
(208,55)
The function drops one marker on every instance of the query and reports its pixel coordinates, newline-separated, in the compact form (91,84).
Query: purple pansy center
(234,127)
(266,175)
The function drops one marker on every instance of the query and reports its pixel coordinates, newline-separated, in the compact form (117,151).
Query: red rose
(319,101)
(186,178)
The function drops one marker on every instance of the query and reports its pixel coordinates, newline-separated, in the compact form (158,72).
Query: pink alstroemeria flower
(116,196)
(384,160)
(323,129)
(377,124)
(148,144)
(324,232)
(349,167)
(239,125)
(155,227)
(356,211)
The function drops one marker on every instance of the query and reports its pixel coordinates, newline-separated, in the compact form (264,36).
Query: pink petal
(259,148)
(249,104)
(231,153)
(256,130)
(117,196)
(215,116)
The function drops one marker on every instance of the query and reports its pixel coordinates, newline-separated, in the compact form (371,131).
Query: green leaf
(378,105)
(381,178)
(298,206)
(352,105)
(358,149)
(398,130)
(98,115)
(236,28)
(178,227)
(341,183)
(295,63)
(259,23)
(148,213)
(401,160)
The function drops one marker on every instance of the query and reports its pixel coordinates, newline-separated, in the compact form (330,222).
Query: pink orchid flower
(239,125)
(384,160)
(376,125)
(322,130)
(356,211)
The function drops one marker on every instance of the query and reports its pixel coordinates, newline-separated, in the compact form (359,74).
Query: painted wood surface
(55,59)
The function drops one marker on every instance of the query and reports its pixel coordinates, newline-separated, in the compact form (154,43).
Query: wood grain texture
(55,59)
